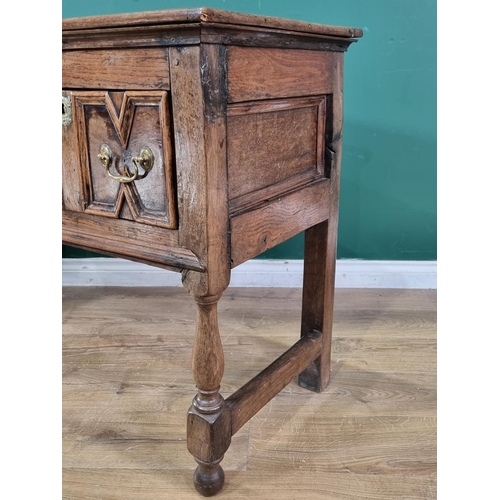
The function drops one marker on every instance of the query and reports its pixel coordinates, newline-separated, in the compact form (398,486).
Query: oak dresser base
(194,140)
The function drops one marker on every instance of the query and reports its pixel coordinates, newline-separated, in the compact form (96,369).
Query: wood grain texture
(252,36)
(126,239)
(348,443)
(317,299)
(209,432)
(220,16)
(199,112)
(213,69)
(72,190)
(205,15)
(256,393)
(172,16)
(263,484)
(208,424)
(288,151)
(282,157)
(320,248)
(126,122)
(187,108)
(200,146)
(132,37)
(116,69)
(257,230)
(195,33)
(262,73)
(208,358)
(127,381)
(273,146)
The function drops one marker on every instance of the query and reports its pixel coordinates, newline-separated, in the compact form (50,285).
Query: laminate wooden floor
(127,386)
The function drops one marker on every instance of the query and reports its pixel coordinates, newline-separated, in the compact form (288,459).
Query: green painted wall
(388,188)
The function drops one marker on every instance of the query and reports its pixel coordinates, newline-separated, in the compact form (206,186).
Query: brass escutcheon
(66,110)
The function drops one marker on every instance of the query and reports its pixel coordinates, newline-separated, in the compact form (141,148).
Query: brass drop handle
(145,160)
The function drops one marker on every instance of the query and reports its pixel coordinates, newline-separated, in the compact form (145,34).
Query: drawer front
(117,156)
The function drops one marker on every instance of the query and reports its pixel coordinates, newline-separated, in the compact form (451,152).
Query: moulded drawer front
(113,137)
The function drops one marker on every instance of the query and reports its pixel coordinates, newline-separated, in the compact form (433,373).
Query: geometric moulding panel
(120,183)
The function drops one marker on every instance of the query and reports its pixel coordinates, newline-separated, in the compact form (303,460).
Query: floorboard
(127,385)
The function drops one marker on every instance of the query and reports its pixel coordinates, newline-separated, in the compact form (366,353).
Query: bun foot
(208,478)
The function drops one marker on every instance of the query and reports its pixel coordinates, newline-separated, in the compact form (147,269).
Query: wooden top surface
(205,15)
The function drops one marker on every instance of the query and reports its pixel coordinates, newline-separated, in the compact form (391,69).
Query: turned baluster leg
(209,426)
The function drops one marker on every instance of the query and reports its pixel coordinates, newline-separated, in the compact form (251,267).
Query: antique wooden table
(193,140)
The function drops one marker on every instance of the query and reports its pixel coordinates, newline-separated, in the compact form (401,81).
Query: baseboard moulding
(104,271)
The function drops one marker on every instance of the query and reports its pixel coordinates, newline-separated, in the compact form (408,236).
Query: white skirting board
(255,273)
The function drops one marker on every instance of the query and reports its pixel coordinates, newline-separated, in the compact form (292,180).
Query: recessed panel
(273,147)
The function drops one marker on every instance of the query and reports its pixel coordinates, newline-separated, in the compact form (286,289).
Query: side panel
(279,127)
